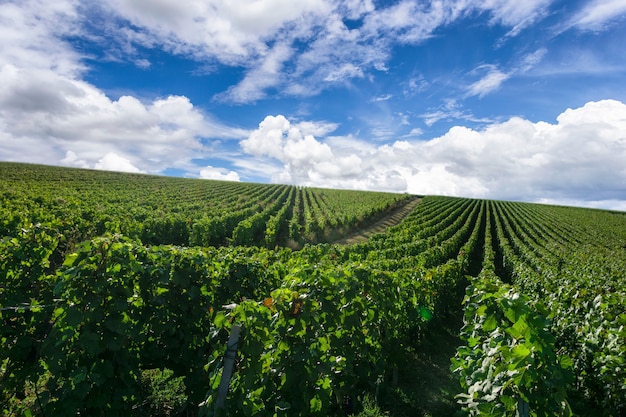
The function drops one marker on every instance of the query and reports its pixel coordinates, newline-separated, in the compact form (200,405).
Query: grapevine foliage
(100,289)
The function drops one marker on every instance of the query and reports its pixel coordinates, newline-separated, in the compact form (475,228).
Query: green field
(118,293)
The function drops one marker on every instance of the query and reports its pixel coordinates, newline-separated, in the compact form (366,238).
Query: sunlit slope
(93,295)
(181,211)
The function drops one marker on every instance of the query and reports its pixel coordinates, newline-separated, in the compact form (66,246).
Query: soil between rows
(392,219)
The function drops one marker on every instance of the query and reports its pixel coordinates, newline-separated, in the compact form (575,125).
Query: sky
(499,99)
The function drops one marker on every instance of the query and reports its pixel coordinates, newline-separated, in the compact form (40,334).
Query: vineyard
(118,288)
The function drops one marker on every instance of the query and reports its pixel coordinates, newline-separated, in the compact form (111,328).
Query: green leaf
(521,351)
(566,362)
(316,404)
(482,310)
(490,323)
(509,402)
(220,319)
(69,259)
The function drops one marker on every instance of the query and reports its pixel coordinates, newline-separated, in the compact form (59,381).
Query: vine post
(523,410)
(229,361)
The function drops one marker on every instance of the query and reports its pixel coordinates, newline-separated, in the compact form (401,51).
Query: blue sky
(497,99)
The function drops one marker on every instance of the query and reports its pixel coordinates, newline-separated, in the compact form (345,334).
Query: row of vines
(90,308)
(545,322)
(82,204)
(322,326)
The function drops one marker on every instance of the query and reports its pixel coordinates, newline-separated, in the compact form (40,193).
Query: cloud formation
(488,83)
(597,14)
(299,48)
(48,114)
(212,173)
(567,161)
(64,115)
(114,162)
(495,77)
(30,36)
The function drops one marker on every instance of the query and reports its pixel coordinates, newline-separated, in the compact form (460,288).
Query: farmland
(108,280)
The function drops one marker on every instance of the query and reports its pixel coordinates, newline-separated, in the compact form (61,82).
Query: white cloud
(415,86)
(344,72)
(489,83)
(222,174)
(113,162)
(349,143)
(415,132)
(232,31)
(450,110)
(258,79)
(579,159)
(71,159)
(269,138)
(30,32)
(495,77)
(301,154)
(143,63)
(48,114)
(516,14)
(384,97)
(531,60)
(63,114)
(297,48)
(306,150)
(597,14)
(237,30)
(317,128)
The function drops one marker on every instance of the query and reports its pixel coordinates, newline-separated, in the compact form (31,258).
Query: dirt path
(380,226)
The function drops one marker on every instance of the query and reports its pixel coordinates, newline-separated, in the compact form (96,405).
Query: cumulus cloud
(48,114)
(305,159)
(113,162)
(30,35)
(222,174)
(64,114)
(231,31)
(300,153)
(579,159)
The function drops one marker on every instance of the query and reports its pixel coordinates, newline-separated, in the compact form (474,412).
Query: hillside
(189,212)
(119,293)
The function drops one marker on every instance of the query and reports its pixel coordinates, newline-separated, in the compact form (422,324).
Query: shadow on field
(426,386)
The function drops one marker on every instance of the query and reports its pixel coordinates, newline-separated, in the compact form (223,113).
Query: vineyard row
(86,316)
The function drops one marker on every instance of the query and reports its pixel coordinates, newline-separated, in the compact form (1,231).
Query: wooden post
(522,408)
(229,362)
